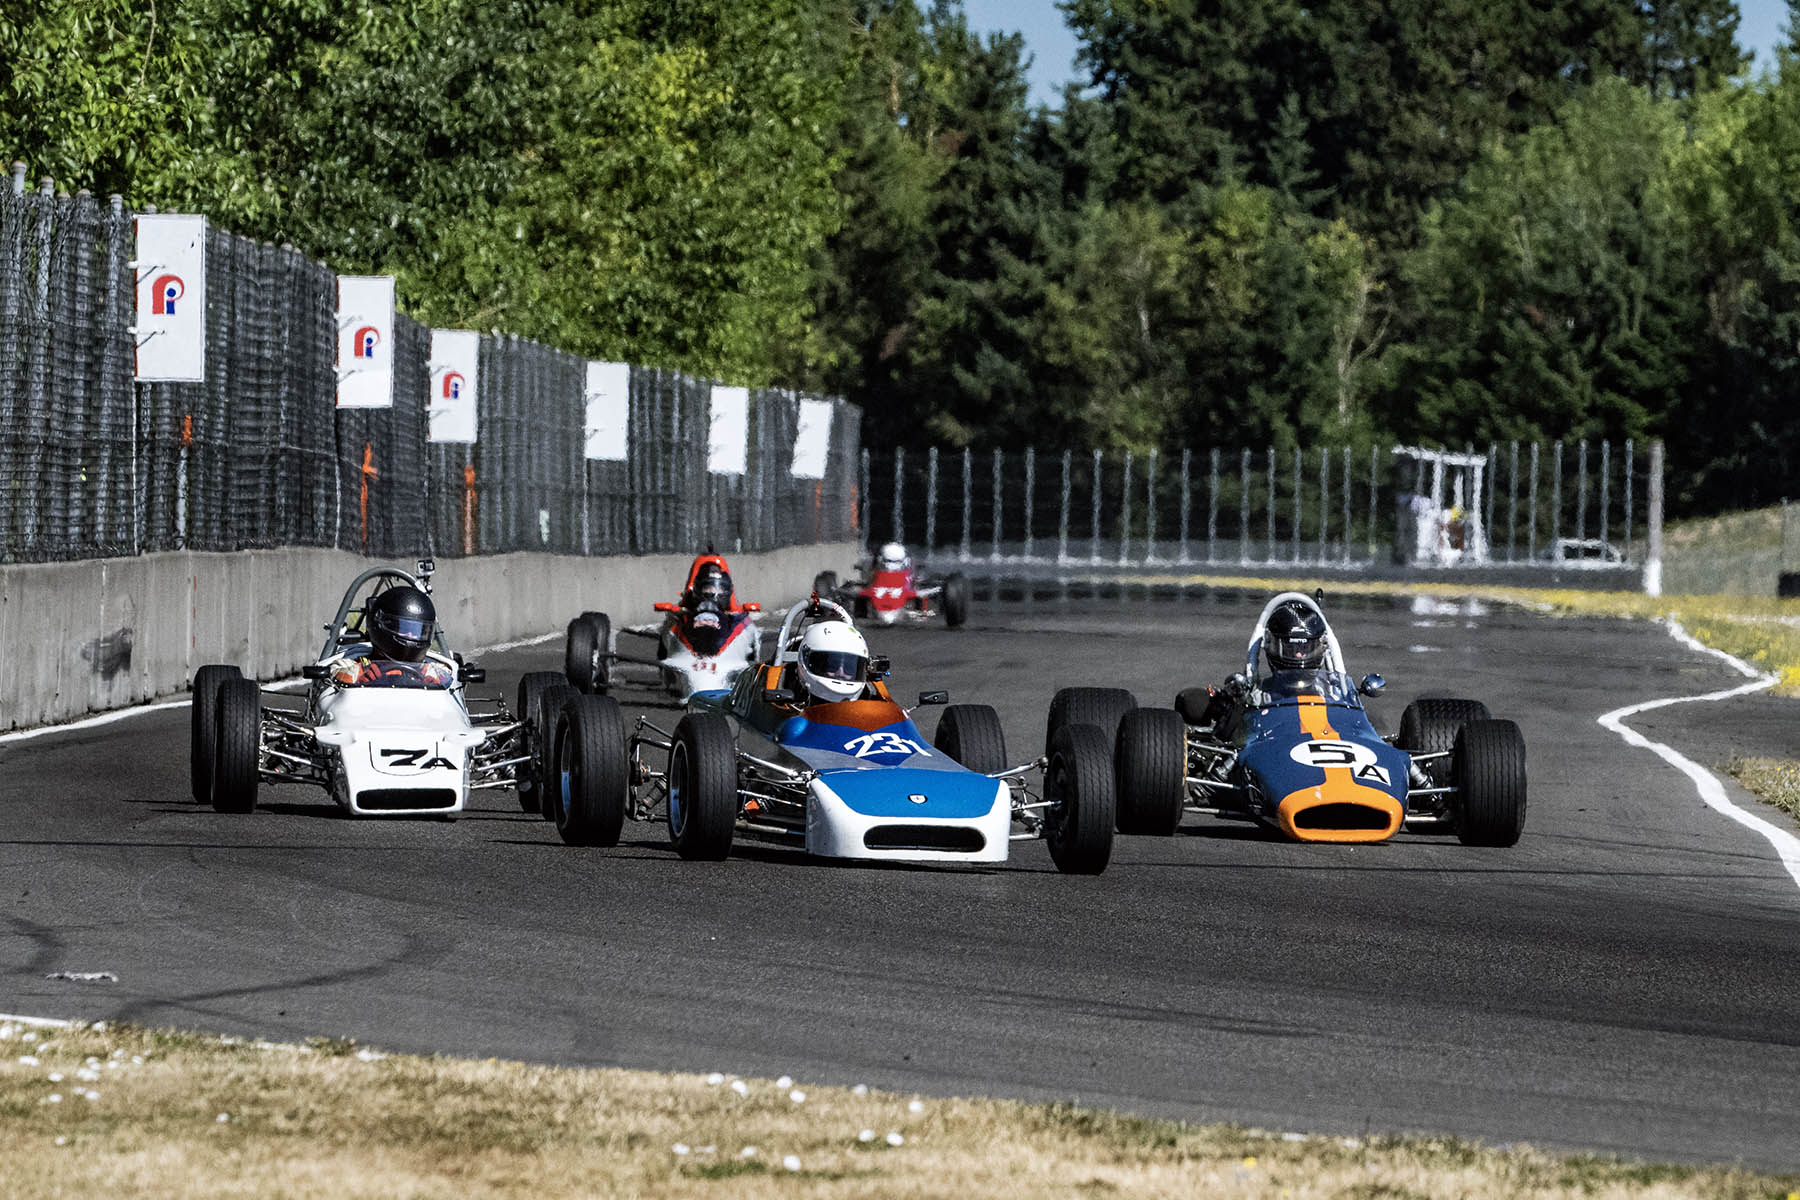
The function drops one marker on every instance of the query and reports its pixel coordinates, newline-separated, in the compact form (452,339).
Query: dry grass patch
(156,1114)
(1776,780)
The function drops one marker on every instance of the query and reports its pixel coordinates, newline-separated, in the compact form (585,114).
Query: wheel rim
(558,797)
(677,772)
(1056,817)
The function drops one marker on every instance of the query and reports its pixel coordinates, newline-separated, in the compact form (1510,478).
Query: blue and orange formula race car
(855,778)
(1294,749)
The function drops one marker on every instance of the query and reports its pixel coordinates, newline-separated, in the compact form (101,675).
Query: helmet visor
(1298,650)
(405,629)
(838,665)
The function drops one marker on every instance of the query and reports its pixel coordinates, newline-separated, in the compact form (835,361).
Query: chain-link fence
(93,464)
(1509,503)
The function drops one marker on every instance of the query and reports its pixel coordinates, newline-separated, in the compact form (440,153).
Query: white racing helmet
(834,661)
(892,557)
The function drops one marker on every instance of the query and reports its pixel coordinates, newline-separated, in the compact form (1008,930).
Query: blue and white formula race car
(383,736)
(1294,749)
(855,778)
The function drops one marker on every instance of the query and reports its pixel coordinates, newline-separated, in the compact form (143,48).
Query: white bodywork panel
(397,739)
(836,830)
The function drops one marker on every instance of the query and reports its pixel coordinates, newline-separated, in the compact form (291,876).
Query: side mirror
(780,695)
(879,666)
(666,606)
(1371,685)
(315,670)
(752,606)
(470,673)
(933,698)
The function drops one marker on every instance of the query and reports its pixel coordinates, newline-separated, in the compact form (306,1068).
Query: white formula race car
(382,738)
(704,641)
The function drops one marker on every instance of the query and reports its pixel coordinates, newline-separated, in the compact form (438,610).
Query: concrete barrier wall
(83,637)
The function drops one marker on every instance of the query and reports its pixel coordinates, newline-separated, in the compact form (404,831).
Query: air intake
(957,839)
(406,799)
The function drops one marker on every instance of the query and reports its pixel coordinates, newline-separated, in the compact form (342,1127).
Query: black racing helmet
(401,621)
(1295,639)
(712,588)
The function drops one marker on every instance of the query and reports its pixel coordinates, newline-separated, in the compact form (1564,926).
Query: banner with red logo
(812,440)
(608,396)
(728,440)
(171,298)
(365,357)
(450,408)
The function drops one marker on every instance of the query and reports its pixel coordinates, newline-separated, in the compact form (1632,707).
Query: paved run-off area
(1622,980)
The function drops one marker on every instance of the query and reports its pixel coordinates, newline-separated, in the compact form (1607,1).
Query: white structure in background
(451,409)
(728,438)
(171,298)
(365,358)
(606,394)
(1440,516)
(812,440)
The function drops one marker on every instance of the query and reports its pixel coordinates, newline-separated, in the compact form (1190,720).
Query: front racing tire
(526,782)
(237,747)
(1429,726)
(956,601)
(550,704)
(703,799)
(585,647)
(971,735)
(1488,766)
(1150,771)
(1078,782)
(592,772)
(1100,707)
(204,716)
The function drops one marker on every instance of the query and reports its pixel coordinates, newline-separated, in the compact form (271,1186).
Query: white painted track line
(121,714)
(1712,792)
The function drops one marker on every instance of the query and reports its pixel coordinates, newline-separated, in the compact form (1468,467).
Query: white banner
(171,298)
(455,363)
(728,442)
(365,357)
(812,440)
(608,396)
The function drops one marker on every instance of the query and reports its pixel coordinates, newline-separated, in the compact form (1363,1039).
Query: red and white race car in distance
(896,590)
(703,643)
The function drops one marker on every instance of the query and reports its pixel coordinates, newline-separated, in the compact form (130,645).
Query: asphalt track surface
(1624,980)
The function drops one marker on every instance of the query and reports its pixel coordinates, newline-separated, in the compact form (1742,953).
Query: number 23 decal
(871,744)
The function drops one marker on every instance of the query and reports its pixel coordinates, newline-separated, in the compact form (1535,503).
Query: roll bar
(1334,657)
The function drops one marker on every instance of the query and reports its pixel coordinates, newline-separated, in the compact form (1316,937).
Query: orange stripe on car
(1339,788)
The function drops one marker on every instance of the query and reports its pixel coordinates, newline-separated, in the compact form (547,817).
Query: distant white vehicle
(1582,552)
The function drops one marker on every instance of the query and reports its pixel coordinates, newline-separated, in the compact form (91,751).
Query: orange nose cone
(1339,812)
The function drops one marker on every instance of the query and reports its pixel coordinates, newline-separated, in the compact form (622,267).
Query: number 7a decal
(871,744)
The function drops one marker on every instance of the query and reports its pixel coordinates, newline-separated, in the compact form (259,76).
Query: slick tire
(550,704)
(1100,707)
(237,746)
(204,715)
(1150,771)
(1429,727)
(956,601)
(592,771)
(527,775)
(971,735)
(703,799)
(1489,771)
(585,647)
(1078,782)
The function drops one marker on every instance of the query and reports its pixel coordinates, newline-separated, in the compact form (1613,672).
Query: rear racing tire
(1489,770)
(1429,726)
(956,601)
(237,746)
(1078,782)
(527,776)
(1101,707)
(204,714)
(589,789)
(972,736)
(550,704)
(1150,765)
(585,647)
(1192,704)
(703,787)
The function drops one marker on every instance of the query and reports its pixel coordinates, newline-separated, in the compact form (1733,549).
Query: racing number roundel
(1322,753)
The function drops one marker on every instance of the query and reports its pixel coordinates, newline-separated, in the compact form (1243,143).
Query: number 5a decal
(1340,754)
(870,744)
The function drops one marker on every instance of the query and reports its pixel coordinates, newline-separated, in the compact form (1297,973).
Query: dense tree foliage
(1255,222)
